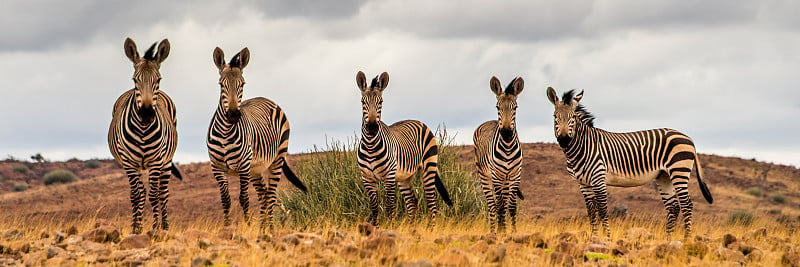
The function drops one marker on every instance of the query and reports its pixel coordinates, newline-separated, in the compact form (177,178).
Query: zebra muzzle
(506,133)
(234,115)
(564,141)
(147,114)
(371,127)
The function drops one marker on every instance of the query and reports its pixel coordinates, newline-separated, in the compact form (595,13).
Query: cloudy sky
(723,72)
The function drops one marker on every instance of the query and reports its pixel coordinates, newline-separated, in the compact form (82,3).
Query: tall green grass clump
(20,168)
(19,187)
(337,196)
(777,197)
(60,176)
(741,217)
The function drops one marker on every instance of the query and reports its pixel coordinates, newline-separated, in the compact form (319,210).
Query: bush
(93,164)
(741,217)
(60,176)
(336,194)
(20,168)
(754,191)
(19,187)
(777,197)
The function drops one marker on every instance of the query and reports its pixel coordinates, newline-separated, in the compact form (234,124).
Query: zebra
(498,156)
(247,139)
(394,153)
(143,135)
(597,158)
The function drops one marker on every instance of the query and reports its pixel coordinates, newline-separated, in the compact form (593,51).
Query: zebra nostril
(506,133)
(563,141)
(234,115)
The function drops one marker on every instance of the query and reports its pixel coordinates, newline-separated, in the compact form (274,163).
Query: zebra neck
(579,147)
(133,113)
(373,142)
(224,124)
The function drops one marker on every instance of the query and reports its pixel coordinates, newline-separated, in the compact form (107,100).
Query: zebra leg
(410,199)
(391,195)
(163,197)
(500,204)
(429,186)
(244,198)
(222,182)
(512,204)
(271,196)
(154,196)
(488,192)
(372,192)
(601,196)
(680,181)
(261,192)
(591,207)
(137,198)
(670,203)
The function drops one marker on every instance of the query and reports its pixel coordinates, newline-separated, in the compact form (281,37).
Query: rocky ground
(103,245)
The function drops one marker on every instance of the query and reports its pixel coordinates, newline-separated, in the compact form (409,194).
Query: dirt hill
(102,190)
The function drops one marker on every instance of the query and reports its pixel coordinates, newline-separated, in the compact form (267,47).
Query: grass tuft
(59,176)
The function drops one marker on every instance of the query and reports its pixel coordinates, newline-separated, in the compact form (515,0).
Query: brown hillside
(103,191)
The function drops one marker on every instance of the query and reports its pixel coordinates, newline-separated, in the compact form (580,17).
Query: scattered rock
(382,242)
(53,251)
(59,236)
(754,256)
(365,228)
(567,237)
(201,262)
(453,258)
(728,239)
(12,234)
(103,234)
(727,254)
(496,255)
(535,239)
(135,241)
(561,259)
(204,243)
(307,239)
(419,263)
(598,248)
(756,234)
(697,249)
(94,248)
(638,234)
(569,248)
(353,253)
(704,238)
(666,250)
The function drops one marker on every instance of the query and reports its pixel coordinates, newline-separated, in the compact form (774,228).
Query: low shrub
(778,197)
(754,191)
(19,187)
(741,217)
(60,176)
(20,168)
(93,164)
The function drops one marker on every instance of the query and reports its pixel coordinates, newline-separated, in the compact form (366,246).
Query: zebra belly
(630,180)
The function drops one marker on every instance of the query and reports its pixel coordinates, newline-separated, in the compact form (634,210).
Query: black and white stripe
(247,139)
(394,153)
(143,136)
(498,156)
(597,158)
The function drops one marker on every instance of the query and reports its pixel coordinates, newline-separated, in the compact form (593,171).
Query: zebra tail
(175,171)
(442,191)
(293,178)
(703,186)
(519,194)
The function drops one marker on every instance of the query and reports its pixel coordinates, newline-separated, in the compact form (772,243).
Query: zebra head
(146,76)
(507,105)
(371,100)
(566,114)
(231,81)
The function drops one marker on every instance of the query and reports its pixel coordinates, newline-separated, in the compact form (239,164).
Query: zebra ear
(130,50)
(219,58)
(383,81)
(361,80)
(163,51)
(494,84)
(551,95)
(577,98)
(244,58)
(516,86)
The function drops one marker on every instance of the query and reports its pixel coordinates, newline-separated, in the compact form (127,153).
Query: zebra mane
(374,82)
(510,87)
(235,61)
(586,117)
(150,54)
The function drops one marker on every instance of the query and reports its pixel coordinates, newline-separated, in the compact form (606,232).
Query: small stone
(201,262)
(59,236)
(204,243)
(666,250)
(103,234)
(453,258)
(24,248)
(704,238)
(496,255)
(53,251)
(12,234)
(638,234)
(226,233)
(385,243)
(728,239)
(365,228)
(567,237)
(569,248)
(598,248)
(697,249)
(44,235)
(561,259)
(754,256)
(727,254)
(135,241)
